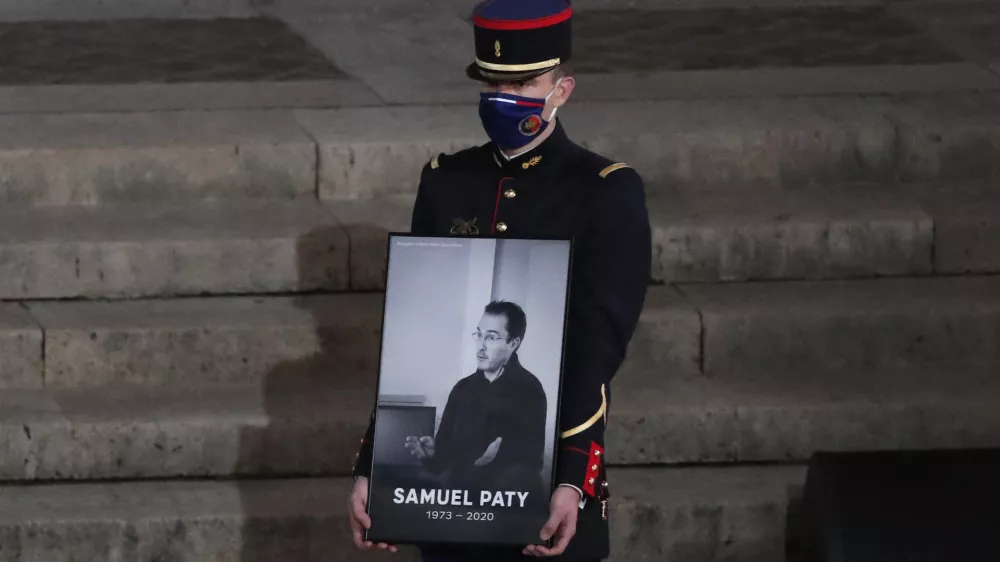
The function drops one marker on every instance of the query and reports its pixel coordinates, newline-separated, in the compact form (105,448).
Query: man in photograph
(492,430)
(533,181)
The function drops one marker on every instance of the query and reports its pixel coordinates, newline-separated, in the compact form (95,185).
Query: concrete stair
(710,514)
(161,250)
(311,429)
(191,277)
(251,247)
(197,156)
(738,331)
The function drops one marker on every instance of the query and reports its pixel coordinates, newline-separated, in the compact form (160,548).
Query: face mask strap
(554,109)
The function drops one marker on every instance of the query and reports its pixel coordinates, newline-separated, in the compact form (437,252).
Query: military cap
(520,39)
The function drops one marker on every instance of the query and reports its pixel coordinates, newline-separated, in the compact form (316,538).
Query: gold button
(502,226)
(510,194)
(594,467)
(597,453)
(591,481)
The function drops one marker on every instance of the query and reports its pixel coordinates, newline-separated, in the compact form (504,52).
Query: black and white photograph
(468,389)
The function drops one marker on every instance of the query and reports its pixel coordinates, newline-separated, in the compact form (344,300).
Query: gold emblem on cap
(496,48)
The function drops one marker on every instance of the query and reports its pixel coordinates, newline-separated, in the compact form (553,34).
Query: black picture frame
(490,528)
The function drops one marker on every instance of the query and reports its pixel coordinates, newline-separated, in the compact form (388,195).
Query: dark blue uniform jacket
(558,190)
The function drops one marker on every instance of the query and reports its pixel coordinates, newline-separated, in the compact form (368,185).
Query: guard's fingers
(552,525)
(566,532)
(358,511)
(356,533)
(541,551)
(554,551)
(567,529)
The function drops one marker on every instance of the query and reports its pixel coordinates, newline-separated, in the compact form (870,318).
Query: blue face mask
(513,121)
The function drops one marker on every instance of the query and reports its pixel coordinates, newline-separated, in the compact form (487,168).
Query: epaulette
(616,166)
(471,158)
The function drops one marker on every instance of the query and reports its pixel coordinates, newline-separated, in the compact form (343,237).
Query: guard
(531,180)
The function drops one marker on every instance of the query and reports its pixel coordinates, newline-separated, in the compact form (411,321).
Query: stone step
(127,432)
(349,153)
(693,145)
(774,420)
(160,250)
(739,331)
(855,231)
(732,514)
(191,342)
(356,53)
(61,10)
(312,429)
(817,330)
(59,159)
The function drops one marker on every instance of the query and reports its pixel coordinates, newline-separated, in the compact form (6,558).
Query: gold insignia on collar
(496,48)
(464,227)
(533,162)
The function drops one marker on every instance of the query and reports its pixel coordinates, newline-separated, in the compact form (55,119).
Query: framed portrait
(469,383)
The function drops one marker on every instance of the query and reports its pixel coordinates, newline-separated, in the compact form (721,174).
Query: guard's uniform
(557,190)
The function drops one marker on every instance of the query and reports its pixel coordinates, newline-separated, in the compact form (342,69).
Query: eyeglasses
(478,337)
